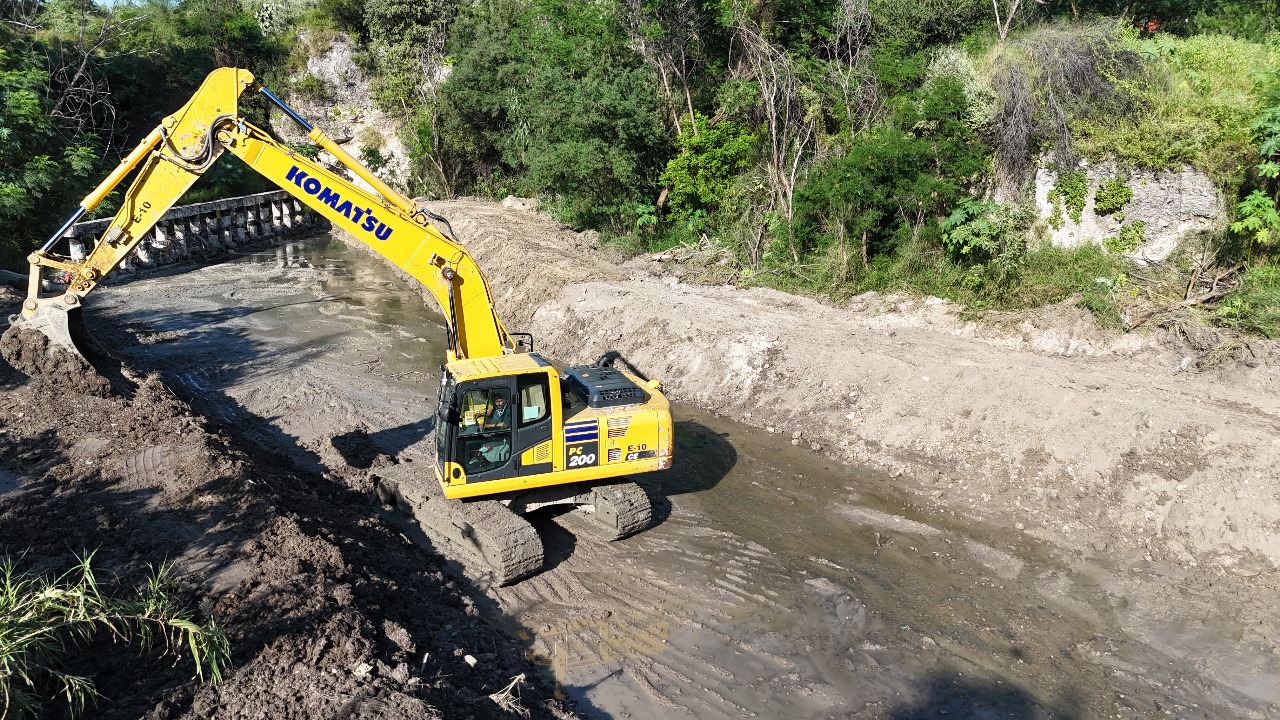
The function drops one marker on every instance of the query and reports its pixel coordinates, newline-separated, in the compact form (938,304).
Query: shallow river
(775,583)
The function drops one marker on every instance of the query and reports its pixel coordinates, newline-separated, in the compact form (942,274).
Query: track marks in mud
(88,448)
(145,468)
(665,637)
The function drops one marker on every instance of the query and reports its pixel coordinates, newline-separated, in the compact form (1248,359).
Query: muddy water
(776,583)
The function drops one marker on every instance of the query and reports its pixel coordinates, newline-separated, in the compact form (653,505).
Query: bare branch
(434,73)
(677,53)
(792,128)
(849,64)
(74,69)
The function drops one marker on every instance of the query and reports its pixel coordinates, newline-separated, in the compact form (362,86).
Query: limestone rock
(1175,205)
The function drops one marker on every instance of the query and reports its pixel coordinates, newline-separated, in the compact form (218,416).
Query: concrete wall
(205,230)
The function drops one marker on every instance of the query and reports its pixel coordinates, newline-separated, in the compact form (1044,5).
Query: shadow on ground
(955,697)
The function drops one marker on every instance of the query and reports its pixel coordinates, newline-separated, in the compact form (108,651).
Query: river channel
(775,582)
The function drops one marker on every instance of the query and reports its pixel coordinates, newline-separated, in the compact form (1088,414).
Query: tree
(85,38)
(1011,7)
(427,145)
(670,35)
(44,164)
(406,37)
(903,27)
(790,113)
(1051,77)
(549,98)
(897,181)
(850,67)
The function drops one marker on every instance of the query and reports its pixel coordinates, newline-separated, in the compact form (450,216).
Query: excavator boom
(186,144)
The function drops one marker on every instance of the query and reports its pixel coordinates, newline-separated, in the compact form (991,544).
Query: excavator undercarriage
(495,534)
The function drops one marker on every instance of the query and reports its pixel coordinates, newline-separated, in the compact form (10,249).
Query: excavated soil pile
(330,612)
(30,352)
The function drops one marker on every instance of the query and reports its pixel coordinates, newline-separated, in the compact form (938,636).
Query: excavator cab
(513,423)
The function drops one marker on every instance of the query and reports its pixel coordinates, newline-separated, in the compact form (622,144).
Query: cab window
(534,407)
(485,410)
(485,426)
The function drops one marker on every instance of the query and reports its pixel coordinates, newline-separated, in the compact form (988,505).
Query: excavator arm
(186,144)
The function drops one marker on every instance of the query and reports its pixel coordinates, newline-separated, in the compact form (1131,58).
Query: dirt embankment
(330,612)
(1108,444)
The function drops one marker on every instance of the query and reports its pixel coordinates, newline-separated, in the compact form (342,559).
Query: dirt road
(779,581)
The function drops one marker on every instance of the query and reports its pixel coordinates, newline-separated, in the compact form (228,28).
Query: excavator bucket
(43,346)
(54,323)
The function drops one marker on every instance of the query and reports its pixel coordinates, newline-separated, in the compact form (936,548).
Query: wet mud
(31,353)
(775,582)
(330,612)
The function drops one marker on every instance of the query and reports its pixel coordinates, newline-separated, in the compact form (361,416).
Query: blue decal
(326,195)
(580,431)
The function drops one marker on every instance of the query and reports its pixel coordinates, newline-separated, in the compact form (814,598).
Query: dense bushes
(831,147)
(80,84)
(42,166)
(547,98)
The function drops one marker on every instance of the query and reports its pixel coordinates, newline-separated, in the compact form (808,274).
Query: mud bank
(330,612)
(1111,445)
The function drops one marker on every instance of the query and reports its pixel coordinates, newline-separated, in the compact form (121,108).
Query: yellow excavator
(513,434)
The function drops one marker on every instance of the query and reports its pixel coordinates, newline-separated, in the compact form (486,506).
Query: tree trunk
(666,87)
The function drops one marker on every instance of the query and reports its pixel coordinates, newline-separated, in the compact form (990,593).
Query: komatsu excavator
(513,433)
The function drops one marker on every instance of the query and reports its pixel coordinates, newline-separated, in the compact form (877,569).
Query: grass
(1045,275)
(312,87)
(43,619)
(1255,307)
(1200,100)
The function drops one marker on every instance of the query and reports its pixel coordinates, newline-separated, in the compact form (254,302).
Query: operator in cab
(499,416)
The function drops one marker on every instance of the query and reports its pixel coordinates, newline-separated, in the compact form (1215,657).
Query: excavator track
(486,533)
(620,509)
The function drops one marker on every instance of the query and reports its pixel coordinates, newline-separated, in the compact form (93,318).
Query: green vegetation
(82,83)
(1256,307)
(1259,224)
(1069,193)
(42,620)
(1197,105)
(1111,196)
(40,167)
(828,148)
(312,87)
(1130,237)
(703,172)
(564,110)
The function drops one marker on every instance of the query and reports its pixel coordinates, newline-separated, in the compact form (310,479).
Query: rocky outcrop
(339,100)
(1172,205)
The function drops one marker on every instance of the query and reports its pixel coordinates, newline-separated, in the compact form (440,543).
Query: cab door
(485,433)
(533,433)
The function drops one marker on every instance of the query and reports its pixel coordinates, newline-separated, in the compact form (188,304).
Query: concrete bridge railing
(205,230)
